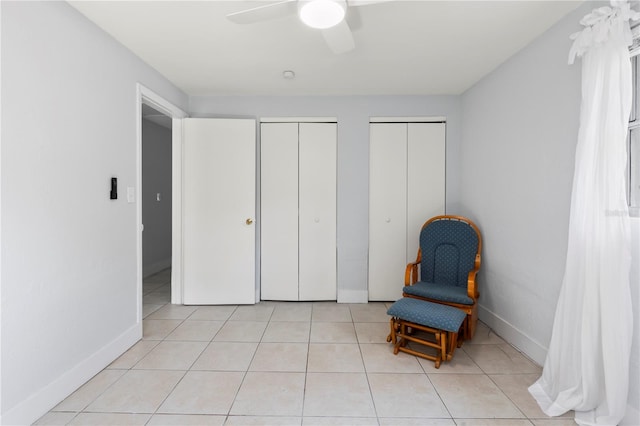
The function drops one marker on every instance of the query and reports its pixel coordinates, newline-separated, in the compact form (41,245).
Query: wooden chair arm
(411,273)
(472,287)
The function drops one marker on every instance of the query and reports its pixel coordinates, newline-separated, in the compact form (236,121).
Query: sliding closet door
(279,211)
(387,210)
(219,210)
(317,204)
(426,179)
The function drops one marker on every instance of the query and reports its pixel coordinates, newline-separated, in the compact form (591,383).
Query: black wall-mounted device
(113,195)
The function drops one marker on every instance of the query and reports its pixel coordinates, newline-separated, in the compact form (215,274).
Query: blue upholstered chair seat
(434,315)
(443,292)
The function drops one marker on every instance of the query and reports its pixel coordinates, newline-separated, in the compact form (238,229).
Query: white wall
(156,215)
(520,132)
(68,280)
(353,114)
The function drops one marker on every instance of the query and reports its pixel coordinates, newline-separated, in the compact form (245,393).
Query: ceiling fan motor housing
(322,14)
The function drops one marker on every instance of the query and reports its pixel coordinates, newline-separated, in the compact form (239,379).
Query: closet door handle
(249,221)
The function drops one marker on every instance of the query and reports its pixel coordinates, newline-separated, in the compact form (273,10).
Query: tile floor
(278,363)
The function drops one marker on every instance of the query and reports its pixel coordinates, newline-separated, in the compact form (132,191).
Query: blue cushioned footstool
(441,321)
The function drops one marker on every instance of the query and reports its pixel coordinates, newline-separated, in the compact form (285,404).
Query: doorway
(155,197)
(163,110)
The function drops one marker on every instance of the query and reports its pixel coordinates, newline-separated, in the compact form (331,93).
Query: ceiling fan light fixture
(322,14)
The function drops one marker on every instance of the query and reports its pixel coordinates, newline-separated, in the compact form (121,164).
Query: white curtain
(587,366)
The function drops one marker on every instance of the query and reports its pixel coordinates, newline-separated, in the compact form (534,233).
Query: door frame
(147,96)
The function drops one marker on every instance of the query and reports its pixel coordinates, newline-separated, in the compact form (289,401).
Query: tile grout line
(192,364)
(366,373)
(173,388)
(246,372)
(508,397)
(306,369)
(436,391)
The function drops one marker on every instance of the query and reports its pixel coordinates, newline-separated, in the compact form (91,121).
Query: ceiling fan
(325,15)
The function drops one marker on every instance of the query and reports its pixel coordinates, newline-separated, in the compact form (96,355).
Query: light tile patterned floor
(280,363)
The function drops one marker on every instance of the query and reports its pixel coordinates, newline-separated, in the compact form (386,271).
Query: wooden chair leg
(443,345)
(403,332)
(453,339)
(471,323)
(392,334)
(462,333)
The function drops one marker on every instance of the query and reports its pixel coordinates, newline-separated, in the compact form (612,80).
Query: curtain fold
(587,365)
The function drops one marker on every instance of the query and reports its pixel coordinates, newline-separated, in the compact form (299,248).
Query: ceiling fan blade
(339,38)
(264,13)
(356,3)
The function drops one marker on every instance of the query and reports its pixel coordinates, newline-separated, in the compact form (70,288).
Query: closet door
(279,211)
(426,179)
(387,210)
(317,204)
(407,187)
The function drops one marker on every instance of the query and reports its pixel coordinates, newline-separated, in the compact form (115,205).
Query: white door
(219,211)
(426,179)
(407,187)
(387,210)
(317,223)
(279,211)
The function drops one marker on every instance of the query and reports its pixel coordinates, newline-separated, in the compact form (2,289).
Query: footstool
(442,321)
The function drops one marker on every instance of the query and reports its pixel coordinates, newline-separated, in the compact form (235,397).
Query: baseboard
(154,268)
(38,404)
(513,335)
(353,296)
(631,417)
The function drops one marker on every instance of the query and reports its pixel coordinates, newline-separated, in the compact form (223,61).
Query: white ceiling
(402,47)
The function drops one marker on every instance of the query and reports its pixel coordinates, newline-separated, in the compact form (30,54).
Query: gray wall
(68,280)
(520,128)
(353,114)
(156,215)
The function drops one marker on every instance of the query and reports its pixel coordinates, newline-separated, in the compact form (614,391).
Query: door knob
(249,221)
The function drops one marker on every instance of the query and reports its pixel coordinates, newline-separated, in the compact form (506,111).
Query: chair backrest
(448,246)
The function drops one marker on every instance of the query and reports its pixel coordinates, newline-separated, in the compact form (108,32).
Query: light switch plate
(131,194)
